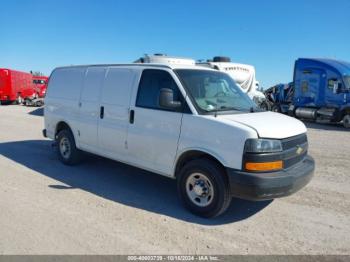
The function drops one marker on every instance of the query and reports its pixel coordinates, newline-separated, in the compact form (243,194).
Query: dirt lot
(104,207)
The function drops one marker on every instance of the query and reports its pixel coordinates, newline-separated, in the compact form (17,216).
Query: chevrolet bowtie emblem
(299,150)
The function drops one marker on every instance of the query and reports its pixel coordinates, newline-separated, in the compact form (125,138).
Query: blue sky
(41,35)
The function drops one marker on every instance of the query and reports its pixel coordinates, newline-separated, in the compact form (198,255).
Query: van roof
(145,65)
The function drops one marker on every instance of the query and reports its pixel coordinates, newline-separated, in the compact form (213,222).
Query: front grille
(294,160)
(294,150)
(293,141)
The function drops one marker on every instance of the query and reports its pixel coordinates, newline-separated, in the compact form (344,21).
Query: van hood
(269,124)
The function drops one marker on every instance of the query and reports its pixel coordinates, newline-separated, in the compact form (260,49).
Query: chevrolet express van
(186,122)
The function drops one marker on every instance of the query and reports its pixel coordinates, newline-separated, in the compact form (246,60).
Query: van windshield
(213,91)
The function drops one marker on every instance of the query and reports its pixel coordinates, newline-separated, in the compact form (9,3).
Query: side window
(331,83)
(152,80)
(304,86)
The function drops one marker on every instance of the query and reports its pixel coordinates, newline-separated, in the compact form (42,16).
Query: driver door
(335,92)
(153,132)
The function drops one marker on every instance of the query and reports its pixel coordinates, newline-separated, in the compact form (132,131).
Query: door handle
(102,112)
(131,116)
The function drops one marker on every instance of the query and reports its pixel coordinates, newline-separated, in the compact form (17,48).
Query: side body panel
(15,83)
(62,101)
(22,84)
(153,136)
(89,107)
(221,138)
(115,101)
(309,84)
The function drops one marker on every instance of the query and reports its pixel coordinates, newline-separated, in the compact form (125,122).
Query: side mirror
(337,88)
(166,99)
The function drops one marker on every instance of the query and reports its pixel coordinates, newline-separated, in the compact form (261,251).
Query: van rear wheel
(203,188)
(67,150)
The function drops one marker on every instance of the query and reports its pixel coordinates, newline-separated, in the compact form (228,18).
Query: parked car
(185,122)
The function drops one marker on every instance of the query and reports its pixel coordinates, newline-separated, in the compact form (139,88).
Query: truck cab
(322,90)
(40,83)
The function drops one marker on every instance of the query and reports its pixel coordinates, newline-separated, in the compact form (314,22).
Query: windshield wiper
(224,108)
(255,110)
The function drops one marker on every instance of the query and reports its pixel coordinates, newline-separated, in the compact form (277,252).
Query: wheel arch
(61,125)
(345,110)
(192,154)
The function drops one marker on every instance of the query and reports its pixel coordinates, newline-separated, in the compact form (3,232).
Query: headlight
(262,146)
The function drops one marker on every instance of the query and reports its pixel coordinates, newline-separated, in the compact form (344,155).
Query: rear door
(89,107)
(153,132)
(114,112)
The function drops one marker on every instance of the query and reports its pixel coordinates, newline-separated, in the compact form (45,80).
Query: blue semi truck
(320,91)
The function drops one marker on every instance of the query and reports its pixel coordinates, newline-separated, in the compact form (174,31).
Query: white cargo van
(186,122)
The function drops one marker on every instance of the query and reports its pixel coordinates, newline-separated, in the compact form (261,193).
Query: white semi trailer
(243,74)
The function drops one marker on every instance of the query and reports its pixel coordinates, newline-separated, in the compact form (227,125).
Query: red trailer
(40,84)
(15,86)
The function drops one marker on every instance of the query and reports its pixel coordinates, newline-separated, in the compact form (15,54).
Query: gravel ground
(104,207)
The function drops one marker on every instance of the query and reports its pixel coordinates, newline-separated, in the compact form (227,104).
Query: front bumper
(264,186)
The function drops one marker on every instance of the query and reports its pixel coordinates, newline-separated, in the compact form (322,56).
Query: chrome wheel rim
(199,189)
(65,148)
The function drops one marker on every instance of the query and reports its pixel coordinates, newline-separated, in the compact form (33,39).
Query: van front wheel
(203,188)
(67,150)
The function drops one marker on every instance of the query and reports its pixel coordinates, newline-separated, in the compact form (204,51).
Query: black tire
(276,108)
(221,197)
(39,103)
(74,156)
(346,121)
(265,106)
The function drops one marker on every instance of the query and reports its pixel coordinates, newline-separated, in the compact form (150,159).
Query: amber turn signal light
(265,166)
